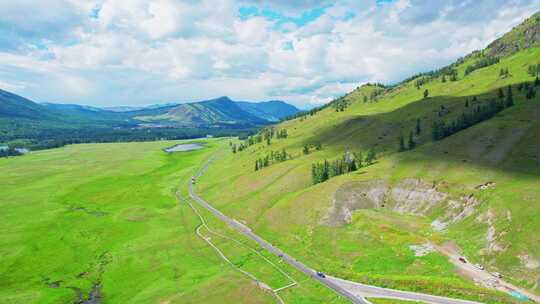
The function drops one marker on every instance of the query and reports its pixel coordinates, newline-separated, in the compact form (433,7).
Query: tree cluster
(7,152)
(340,104)
(321,172)
(441,129)
(503,73)
(271,158)
(307,148)
(534,70)
(529,88)
(482,63)
(411,144)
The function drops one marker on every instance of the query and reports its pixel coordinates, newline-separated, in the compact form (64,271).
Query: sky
(306,52)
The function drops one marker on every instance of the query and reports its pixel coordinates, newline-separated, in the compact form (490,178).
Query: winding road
(355,292)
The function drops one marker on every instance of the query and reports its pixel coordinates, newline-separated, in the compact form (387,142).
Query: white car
(479,266)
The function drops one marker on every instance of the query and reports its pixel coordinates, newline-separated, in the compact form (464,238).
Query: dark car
(320,274)
(462,260)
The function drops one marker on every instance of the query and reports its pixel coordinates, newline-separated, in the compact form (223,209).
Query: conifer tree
(426,94)
(501,93)
(359,159)
(371,156)
(306,149)
(537,82)
(412,144)
(531,93)
(401,144)
(418,127)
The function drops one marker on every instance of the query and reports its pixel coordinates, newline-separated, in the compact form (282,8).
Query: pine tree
(444,79)
(467,103)
(359,159)
(234,148)
(412,144)
(531,93)
(501,93)
(501,73)
(401,144)
(509,101)
(418,127)
(426,93)
(537,82)
(365,99)
(306,149)
(371,156)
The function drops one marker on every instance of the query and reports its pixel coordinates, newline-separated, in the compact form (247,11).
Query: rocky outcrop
(410,196)
(524,36)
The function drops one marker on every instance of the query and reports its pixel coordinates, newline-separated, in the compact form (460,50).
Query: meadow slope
(488,176)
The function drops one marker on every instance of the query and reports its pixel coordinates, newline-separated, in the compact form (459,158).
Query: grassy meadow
(281,203)
(107,214)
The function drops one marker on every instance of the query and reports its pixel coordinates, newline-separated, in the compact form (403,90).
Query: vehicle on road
(497,275)
(193,180)
(462,260)
(320,274)
(479,266)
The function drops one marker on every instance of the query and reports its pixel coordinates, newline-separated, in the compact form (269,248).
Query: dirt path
(479,275)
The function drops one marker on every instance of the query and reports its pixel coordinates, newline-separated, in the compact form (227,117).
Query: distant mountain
(51,125)
(274,110)
(122,109)
(224,111)
(14,106)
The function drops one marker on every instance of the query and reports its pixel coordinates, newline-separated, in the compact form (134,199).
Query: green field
(107,214)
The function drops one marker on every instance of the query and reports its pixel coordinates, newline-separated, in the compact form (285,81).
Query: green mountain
(456,173)
(224,112)
(28,124)
(15,106)
(274,110)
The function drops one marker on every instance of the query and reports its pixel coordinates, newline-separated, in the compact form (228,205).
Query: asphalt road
(353,291)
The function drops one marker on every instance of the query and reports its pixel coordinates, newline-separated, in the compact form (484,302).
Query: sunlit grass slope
(281,203)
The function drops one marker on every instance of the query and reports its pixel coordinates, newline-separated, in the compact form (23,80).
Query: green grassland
(116,215)
(281,204)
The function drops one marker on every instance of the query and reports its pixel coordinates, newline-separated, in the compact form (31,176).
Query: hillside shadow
(487,144)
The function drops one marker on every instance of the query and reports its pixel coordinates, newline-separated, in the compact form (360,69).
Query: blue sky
(138,52)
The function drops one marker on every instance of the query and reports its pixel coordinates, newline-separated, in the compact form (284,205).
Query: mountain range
(24,120)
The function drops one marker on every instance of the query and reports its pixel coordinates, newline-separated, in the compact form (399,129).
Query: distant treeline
(54,138)
(7,152)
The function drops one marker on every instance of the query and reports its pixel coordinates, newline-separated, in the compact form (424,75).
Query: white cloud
(140,51)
